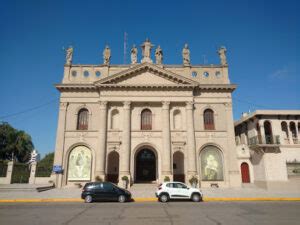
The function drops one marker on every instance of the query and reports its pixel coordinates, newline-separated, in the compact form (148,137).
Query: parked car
(177,190)
(104,191)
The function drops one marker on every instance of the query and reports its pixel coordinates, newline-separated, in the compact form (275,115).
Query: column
(125,147)
(32,172)
(191,143)
(297,133)
(60,143)
(262,132)
(166,152)
(101,151)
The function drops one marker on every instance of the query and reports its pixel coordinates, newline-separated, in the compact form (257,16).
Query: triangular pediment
(146,74)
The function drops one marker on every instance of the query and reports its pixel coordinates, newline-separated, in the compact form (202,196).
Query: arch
(293,129)
(113,167)
(145,164)
(208,118)
(79,164)
(268,132)
(284,129)
(146,119)
(178,167)
(211,160)
(245,172)
(115,119)
(83,119)
(177,119)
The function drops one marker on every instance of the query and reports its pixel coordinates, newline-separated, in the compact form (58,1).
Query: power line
(29,109)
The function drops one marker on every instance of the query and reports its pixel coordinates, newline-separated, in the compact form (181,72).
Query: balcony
(267,140)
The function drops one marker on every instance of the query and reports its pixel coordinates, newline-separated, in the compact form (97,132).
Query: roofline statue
(222,54)
(69,55)
(106,55)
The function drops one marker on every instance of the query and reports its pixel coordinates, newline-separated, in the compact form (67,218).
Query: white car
(177,190)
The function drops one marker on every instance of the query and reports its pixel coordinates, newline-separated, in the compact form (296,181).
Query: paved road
(208,213)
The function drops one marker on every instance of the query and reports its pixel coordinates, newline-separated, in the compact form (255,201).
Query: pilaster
(166,138)
(191,142)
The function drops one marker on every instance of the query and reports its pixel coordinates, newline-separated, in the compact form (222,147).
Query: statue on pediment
(106,55)
(146,51)
(69,55)
(134,52)
(186,55)
(158,55)
(222,54)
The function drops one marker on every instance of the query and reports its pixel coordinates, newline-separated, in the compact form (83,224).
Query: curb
(207,199)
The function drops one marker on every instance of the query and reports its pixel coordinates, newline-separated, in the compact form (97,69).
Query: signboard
(57,169)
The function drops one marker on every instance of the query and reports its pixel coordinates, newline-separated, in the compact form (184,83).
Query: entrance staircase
(142,190)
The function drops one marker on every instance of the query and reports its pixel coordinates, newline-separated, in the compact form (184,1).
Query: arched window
(146,119)
(284,129)
(211,164)
(268,132)
(208,117)
(80,163)
(115,119)
(83,119)
(293,129)
(177,119)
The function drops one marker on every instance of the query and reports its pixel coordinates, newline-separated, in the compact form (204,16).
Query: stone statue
(106,55)
(158,55)
(69,55)
(146,51)
(222,54)
(186,55)
(134,52)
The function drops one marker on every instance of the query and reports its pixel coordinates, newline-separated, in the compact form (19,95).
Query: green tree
(14,144)
(44,167)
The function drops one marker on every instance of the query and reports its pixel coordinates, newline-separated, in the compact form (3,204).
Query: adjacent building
(268,146)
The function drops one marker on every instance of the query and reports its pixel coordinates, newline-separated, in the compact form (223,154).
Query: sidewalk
(210,194)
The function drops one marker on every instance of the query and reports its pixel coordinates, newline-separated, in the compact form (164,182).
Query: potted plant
(193,181)
(166,179)
(125,181)
(98,179)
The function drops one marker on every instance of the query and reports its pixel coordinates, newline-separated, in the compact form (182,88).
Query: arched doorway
(113,167)
(145,166)
(245,173)
(268,132)
(178,167)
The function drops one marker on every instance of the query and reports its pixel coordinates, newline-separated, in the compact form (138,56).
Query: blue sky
(262,39)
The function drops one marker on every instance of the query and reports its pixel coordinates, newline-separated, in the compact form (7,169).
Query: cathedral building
(146,121)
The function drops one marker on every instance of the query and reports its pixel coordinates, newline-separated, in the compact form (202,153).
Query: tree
(44,167)
(14,144)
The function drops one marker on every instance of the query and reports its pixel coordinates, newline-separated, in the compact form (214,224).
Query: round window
(86,73)
(194,74)
(98,74)
(206,74)
(74,73)
(218,74)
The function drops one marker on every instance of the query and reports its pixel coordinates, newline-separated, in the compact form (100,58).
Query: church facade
(147,121)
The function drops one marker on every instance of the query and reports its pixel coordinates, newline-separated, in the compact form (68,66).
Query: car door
(110,194)
(181,190)
(99,192)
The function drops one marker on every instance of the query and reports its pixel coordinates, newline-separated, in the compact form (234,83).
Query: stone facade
(268,141)
(148,122)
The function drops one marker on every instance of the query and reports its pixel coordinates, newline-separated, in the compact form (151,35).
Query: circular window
(205,74)
(74,73)
(98,74)
(218,74)
(86,73)
(194,74)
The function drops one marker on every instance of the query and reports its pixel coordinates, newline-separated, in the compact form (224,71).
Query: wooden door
(245,173)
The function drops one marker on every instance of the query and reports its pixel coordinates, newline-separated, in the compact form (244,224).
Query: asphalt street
(208,213)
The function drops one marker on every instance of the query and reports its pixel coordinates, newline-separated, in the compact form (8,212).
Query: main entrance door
(145,168)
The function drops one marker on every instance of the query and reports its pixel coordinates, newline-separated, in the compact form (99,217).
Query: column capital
(126,104)
(166,105)
(63,105)
(189,105)
(103,104)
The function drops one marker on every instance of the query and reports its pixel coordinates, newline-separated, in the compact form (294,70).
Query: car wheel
(164,198)
(88,199)
(196,198)
(121,198)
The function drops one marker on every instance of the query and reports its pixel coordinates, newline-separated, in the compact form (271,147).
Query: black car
(104,191)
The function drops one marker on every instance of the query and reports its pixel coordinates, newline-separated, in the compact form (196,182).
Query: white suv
(177,190)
